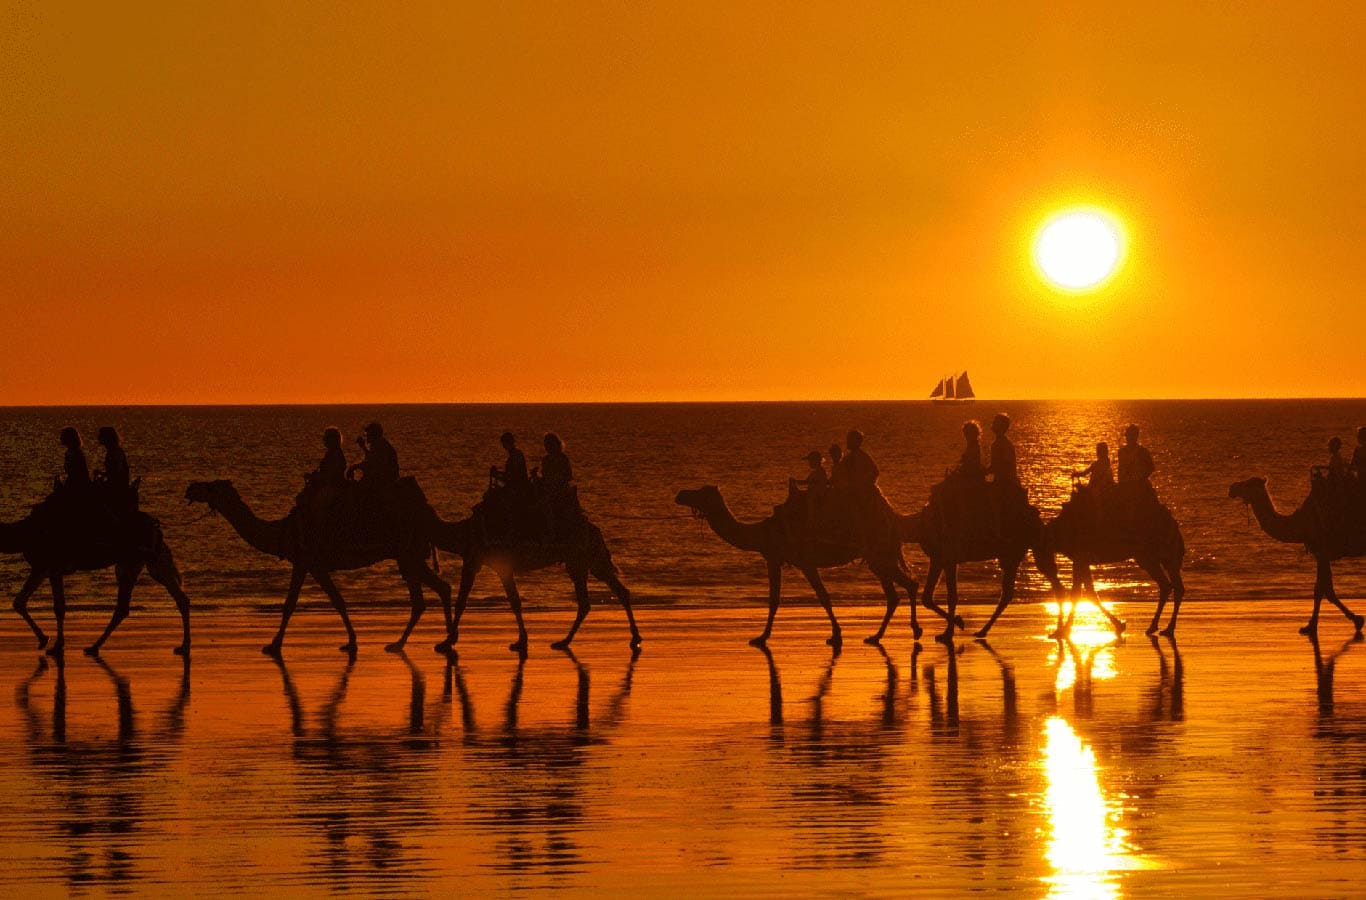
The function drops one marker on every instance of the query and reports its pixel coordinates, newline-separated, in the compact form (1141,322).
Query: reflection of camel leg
(775,590)
(1115,621)
(163,570)
(775,689)
(950,588)
(59,610)
(515,601)
(1010,568)
(329,587)
(127,577)
(296,584)
(467,573)
(580,579)
(813,577)
(31,583)
(608,576)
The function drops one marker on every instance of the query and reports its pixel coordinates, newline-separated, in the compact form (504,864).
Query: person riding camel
(75,470)
(113,481)
(558,498)
(1134,495)
(860,493)
(836,467)
(379,469)
(332,468)
(1358,464)
(514,473)
(970,463)
(817,483)
(1002,468)
(1101,476)
(510,486)
(1135,462)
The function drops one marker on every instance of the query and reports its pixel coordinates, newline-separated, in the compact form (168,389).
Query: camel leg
(59,610)
(1116,622)
(417,606)
(775,590)
(1321,574)
(467,574)
(329,587)
(431,579)
(931,582)
(813,577)
(127,576)
(950,588)
(296,584)
(893,601)
(1331,593)
(912,588)
(1067,606)
(580,580)
(609,577)
(30,585)
(163,570)
(1164,588)
(1009,569)
(1178,592)
(515,601)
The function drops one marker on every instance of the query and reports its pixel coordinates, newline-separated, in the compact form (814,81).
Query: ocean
(631,459)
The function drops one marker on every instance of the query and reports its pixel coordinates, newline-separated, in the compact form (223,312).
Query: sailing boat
(953,389)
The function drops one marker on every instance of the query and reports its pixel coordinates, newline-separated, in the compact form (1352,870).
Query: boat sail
(953,389)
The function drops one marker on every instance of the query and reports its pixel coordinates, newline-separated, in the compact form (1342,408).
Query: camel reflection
(1341,761)
(529,784)
(367,789)
(102,786)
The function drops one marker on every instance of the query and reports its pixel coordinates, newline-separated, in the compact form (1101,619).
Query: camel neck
(268,537)
(741,535)
(1287,529)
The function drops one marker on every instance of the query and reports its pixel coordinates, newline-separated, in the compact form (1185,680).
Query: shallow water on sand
(1230,764)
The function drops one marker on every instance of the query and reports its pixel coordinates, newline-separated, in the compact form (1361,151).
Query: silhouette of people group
(540,505)
(1339,484)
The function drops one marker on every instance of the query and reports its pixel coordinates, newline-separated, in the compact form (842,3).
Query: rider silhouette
(76,473)
(1135,462)
(380,466)
(332,468)
(1358,464)
(513,474)
(970,463)
(115,472)
(1099,470)
(1002,469)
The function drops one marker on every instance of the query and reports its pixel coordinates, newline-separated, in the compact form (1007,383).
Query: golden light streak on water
(1087,844)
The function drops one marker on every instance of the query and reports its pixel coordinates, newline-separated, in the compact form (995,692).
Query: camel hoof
(1309,629)
(518,646)
(445,646)
(1059,634)
(945,637)
(272,650)
(834,641)
(395,647)
(760,642)
(873,640)
(1152,629)
(917,631)
(1169,631)
(1119,627)
(56,649)
(182,650)
(92,651)
(348,648)
(635,641)
(1358,621)
(560,645)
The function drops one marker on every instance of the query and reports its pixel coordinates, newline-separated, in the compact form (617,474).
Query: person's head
(814,458)
(374,430)
(836,453)
(1334,444)
(971,430)
(1102,450)
(552,442)
(1000,423)
(70,437)
(507,440)
(1131,434)
(108,437)
(854,439)
(332,438)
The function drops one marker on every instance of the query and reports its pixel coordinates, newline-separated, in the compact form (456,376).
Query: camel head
(1247,491)
(703,500)
(214,493)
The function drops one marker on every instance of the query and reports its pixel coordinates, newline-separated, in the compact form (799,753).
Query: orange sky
(331,202)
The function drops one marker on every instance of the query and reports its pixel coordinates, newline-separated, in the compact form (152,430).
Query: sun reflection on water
(1087,846)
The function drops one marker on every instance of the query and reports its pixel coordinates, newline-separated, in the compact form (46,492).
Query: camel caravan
(351,516)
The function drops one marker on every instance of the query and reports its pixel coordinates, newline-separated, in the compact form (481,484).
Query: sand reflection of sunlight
(1087,846)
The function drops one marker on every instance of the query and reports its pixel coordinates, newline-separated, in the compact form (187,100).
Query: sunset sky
(334,202)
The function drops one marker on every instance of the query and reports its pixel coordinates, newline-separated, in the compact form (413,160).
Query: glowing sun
(1079,249)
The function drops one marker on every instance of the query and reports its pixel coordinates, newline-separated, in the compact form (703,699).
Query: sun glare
(1078,250)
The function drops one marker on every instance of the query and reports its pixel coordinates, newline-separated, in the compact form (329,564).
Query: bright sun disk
(1079,250)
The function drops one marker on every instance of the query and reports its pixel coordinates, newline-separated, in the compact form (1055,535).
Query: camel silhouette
(46,541)
(289,539)
(1309,525)
(946,549)
(771,539)
(583,553)
(1156,545)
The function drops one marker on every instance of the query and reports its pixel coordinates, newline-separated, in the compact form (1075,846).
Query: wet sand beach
(1231,762)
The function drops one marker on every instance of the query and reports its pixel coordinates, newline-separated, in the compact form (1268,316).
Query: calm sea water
(631,459)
